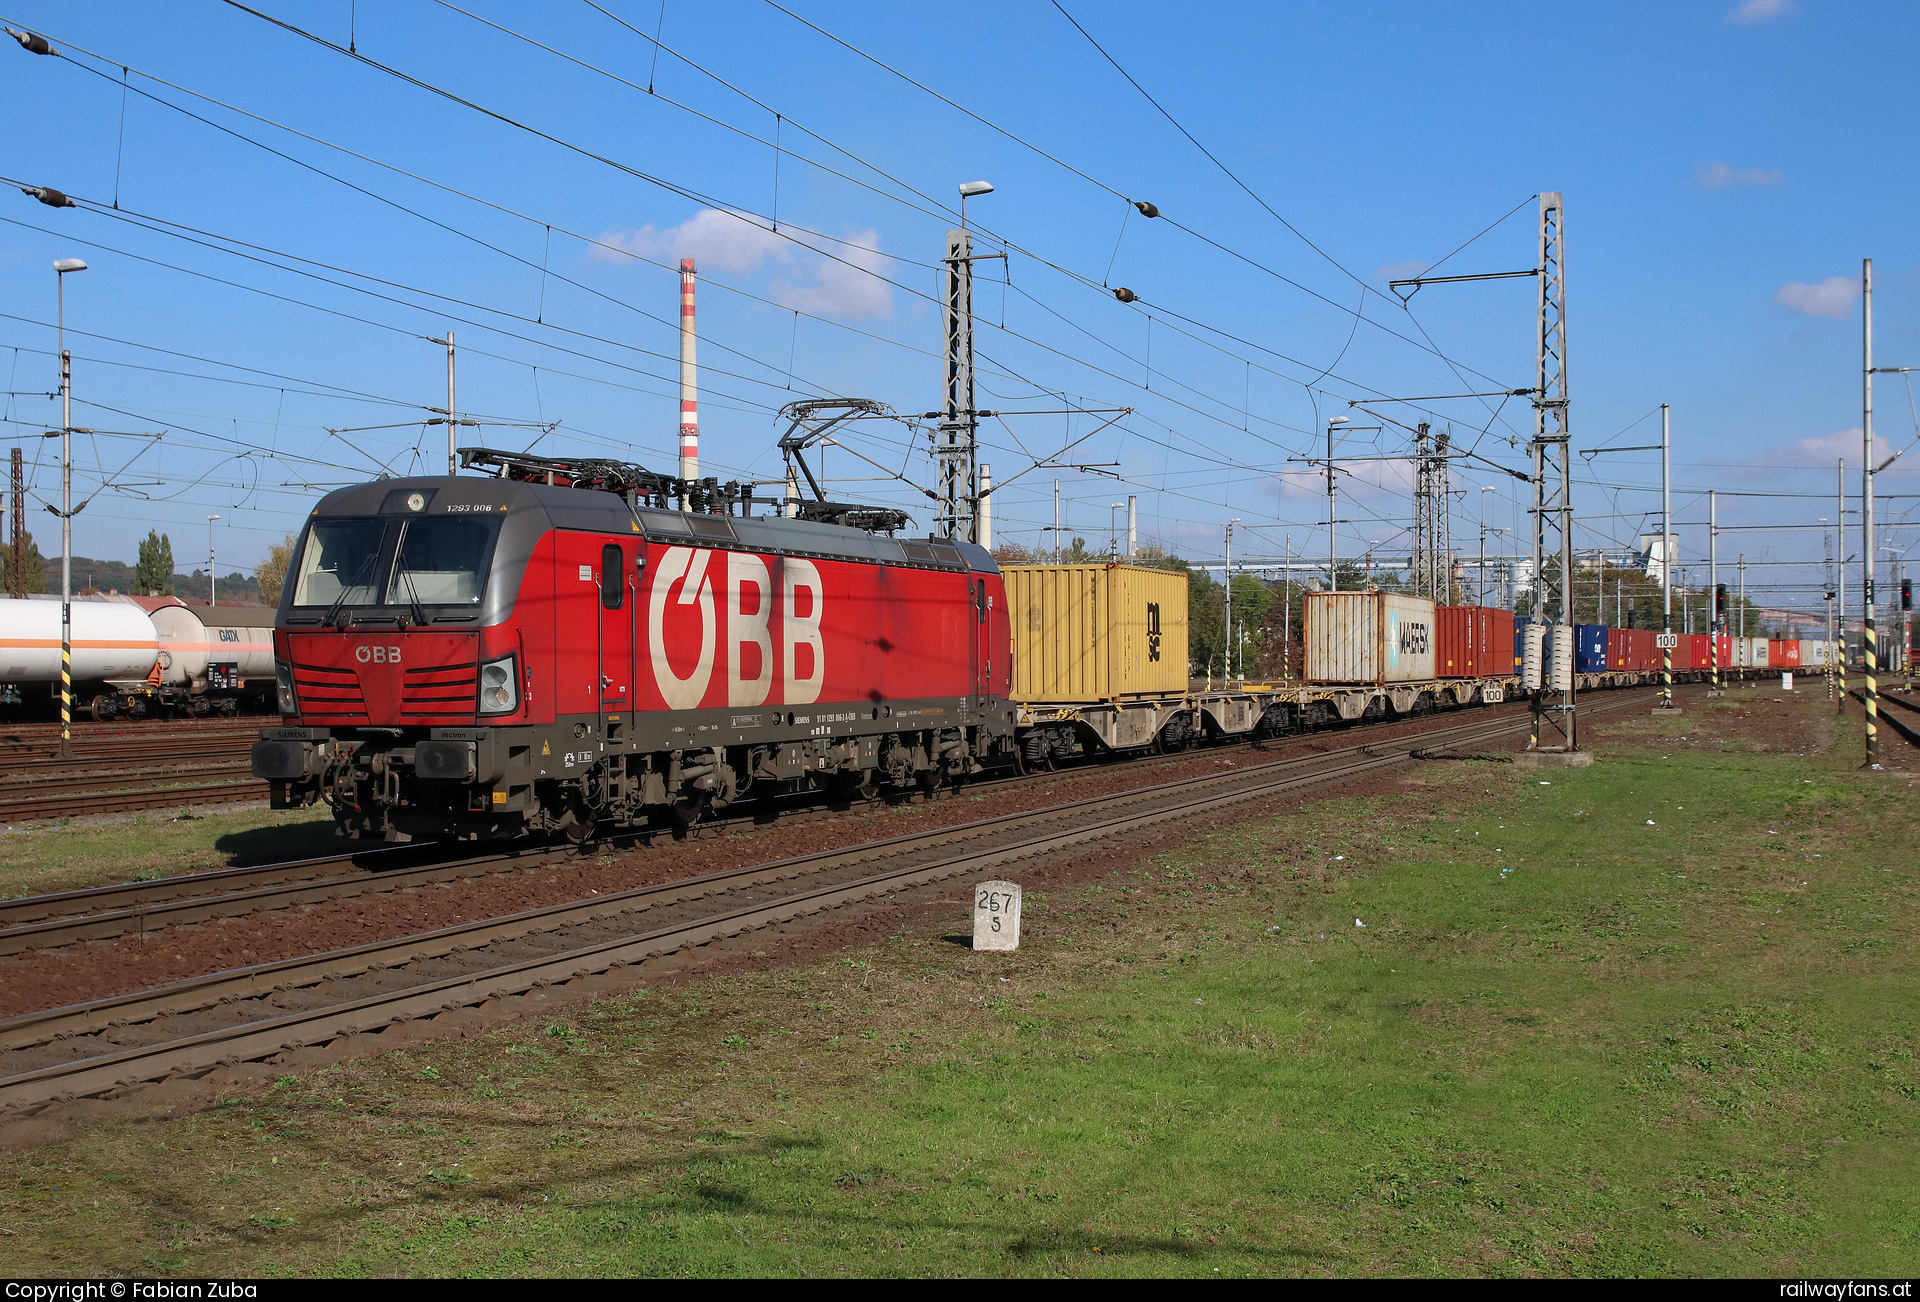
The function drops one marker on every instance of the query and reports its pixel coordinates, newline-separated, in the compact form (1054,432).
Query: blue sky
(1725,166)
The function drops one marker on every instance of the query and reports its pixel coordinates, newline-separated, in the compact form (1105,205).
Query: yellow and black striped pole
(1871,696)
(66,678)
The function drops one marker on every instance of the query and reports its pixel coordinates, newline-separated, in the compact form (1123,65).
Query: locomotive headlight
(499,690)
(283,675)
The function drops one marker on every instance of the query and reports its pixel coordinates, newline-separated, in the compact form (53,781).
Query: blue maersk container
(1590,648)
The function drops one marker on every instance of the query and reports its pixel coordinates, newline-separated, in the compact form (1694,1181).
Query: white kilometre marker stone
(996,915)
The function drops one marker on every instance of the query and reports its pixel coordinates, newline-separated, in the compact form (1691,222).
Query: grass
(69,855)
(1653,1017)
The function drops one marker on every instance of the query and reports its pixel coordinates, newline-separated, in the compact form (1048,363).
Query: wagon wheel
(577,825)
(103,709)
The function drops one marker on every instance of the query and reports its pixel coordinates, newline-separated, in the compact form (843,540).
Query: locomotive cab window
(613,577)
(339,563)
(441,561)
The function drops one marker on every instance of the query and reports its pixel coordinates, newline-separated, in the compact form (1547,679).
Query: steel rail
(1894,721)
(121,802)
(266,1037)
(134,777)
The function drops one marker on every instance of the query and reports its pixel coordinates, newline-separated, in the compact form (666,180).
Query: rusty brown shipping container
(1368,637)
(1473,642)
(1096,632)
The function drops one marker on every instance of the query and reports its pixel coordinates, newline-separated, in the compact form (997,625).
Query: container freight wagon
(1473,642)
(1368,637)
(1816,655)
(1096,632)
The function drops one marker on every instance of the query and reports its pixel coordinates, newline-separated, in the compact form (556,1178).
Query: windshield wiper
(413,596)
(347,589)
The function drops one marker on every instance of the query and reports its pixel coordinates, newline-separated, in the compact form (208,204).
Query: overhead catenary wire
(1034,342)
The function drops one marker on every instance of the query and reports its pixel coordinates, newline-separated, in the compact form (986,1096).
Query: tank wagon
(138,656)
(111,643)
(546,647)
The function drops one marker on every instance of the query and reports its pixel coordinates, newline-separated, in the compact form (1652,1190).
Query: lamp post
(212,597)
(1113,528)
(61,269)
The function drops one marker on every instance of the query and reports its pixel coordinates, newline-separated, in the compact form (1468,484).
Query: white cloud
(1821,450)
(724,240)
(1832,297)
(1817,452)
(846,284)
(1758,11)
(1716,176)
(851,288)
(1399,270)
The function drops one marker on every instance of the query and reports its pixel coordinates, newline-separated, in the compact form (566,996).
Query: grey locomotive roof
(600,512)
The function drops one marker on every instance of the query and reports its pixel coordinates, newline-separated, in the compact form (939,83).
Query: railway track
(187,1028)
(115,772)
(104,912)
(1894,721)
(92,800)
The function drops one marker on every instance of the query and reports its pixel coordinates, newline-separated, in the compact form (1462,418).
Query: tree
(153,576)
(36,567)
(271,574)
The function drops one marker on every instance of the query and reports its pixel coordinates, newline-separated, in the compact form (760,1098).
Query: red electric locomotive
(545,648)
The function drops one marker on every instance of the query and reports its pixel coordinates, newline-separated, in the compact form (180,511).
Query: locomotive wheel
(860,784)
(929,780)
(103,710)
(687,812)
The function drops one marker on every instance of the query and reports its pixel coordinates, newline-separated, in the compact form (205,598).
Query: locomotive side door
(618,686)
(981,640)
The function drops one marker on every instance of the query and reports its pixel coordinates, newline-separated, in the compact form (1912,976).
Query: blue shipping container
(1590,648)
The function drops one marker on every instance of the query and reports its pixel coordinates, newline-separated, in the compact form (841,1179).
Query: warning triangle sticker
(545,749)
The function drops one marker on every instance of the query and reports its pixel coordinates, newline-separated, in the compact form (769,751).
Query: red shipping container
(1455,653)
(1702,649)
(1725,644)
(1783,654)
(1498,660)
(1474,642)
(1646,656)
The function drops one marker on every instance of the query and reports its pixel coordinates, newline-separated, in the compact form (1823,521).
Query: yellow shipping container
(1095,632)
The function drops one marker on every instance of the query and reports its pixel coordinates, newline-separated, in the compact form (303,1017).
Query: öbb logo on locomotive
(377,654)
(685,630)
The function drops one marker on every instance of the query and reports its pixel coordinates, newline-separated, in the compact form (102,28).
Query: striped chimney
(689,379)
